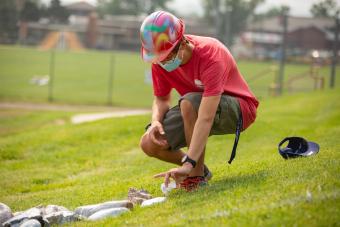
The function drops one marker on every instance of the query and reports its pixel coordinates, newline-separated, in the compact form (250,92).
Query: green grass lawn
(80,77)
(83,77)
(46,162)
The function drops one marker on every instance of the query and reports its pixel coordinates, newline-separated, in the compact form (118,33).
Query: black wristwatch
(187,159)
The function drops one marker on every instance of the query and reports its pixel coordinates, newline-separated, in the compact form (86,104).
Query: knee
(187,109)
(147,147)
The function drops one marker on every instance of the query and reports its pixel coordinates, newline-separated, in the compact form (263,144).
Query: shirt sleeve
(161,87)
(213,78)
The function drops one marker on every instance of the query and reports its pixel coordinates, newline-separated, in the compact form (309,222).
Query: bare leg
(189,118)
(174,157)
(160,152)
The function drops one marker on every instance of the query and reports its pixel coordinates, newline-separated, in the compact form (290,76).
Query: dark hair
(175,50)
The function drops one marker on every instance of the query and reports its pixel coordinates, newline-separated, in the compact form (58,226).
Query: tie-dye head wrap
(159,34)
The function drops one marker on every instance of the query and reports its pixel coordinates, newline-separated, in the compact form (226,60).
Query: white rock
(49,209)
(137,196)
(5,213)
(61,217)
(33,213)
(17,213)
(134,192)
(88,210)
(153,201)
(166,190)
(37,213)
(31,223)
(113,212)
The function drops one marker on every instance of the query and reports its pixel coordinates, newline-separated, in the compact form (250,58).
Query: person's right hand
(157,134)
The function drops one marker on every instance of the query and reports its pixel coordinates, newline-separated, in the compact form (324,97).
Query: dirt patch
(82,118)
(91,113)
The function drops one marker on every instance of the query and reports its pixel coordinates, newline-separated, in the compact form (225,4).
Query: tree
(229,16)
(330,9)
(30,11)
(8,21)
(58,13)
(130,7)
(152,5)
(273,12)
(325,8)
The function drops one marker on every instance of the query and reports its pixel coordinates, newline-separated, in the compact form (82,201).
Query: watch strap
(191,161)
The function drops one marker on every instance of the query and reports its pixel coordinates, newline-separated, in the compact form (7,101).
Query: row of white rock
(53,214)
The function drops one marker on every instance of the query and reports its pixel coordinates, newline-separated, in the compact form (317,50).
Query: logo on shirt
(199,84)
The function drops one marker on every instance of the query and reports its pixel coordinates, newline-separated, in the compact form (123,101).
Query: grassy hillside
(43,161)
(83,77)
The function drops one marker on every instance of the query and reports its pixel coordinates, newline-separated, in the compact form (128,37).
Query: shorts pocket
(226,117)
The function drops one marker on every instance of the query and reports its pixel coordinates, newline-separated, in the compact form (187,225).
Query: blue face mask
(171,65)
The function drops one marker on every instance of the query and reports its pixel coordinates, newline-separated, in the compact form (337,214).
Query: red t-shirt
(211,70)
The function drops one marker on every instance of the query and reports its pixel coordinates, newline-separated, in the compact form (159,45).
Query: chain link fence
(86,77)
(121,78)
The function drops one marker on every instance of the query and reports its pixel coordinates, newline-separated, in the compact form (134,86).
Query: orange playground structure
(61,40)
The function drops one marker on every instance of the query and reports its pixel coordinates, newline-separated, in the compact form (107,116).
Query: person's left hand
(178,174)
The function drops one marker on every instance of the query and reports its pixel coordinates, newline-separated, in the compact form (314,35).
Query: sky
(297,7)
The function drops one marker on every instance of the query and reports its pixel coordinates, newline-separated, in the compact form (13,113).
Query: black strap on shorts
(237,137)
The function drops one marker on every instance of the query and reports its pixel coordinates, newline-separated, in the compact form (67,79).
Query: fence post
(283,54)
(50,87)
(335,51)
(110,85)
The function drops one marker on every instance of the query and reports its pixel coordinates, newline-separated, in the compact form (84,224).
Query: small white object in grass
(309,196)
(40,80)
(166,190)
(153,201)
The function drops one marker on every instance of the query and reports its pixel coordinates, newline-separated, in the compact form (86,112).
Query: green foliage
(273,12)
(8,21)
(130,7)
(229,16)
(58,13)
(154,5)
(42,162)
(30,11)
(325,8)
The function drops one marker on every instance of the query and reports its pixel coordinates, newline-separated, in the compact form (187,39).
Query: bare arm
(156,131)
(206,115)
(160,106)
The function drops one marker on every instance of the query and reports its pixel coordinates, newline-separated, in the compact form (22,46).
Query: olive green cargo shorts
(225,121)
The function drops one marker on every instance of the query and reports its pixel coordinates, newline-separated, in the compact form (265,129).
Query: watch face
(184,158)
